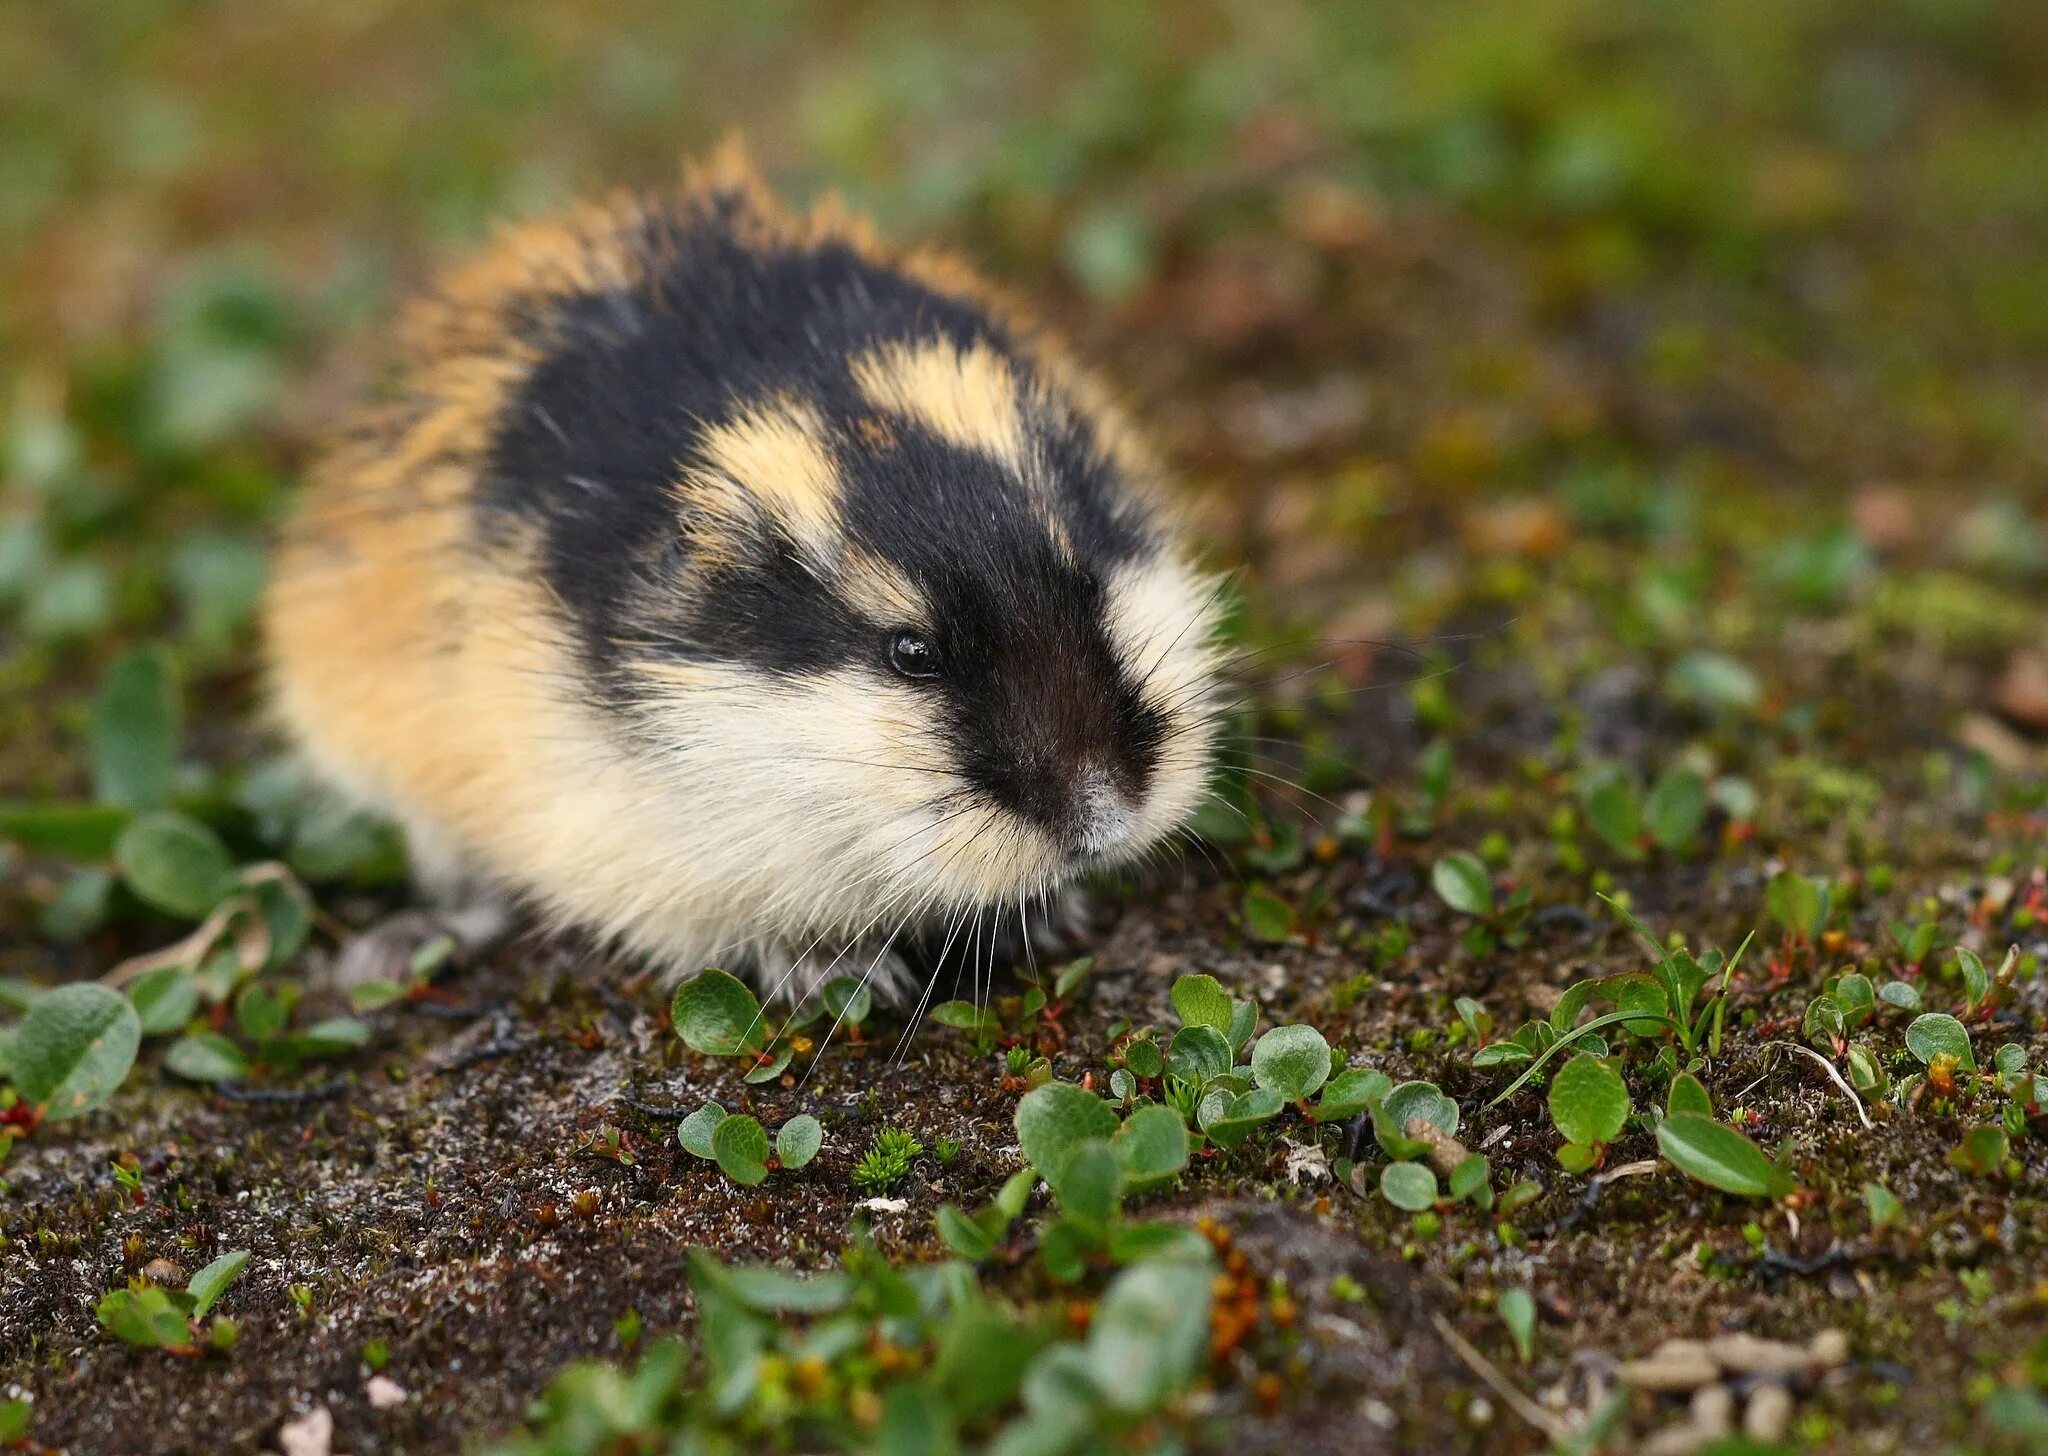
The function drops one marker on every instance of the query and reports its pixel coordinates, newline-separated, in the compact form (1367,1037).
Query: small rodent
(744,591)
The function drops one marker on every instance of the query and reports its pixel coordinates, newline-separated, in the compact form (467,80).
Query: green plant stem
(1721,999)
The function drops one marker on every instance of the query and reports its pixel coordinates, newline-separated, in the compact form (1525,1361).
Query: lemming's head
(902,606)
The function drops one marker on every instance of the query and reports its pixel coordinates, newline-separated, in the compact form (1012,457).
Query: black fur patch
(590,450)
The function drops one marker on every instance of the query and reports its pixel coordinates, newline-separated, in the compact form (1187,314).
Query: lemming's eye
(913,655)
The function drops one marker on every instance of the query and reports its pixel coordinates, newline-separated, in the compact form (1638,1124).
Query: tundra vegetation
(1602,1005)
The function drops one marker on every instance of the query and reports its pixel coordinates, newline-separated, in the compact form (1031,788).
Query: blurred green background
(1554,247)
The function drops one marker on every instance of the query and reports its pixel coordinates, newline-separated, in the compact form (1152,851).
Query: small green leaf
(1144,1058)
(694,1132)
(1202,1001)
(1854,995)
(165,999)
(1228,1118)
(769,1070)
(1149,1336)
(1714,680)
(1090,1181)
(1982,1151)
(1350,1092)
(1719,1156)
(287,912)
(1461,880)
(1588,1100)
(848,999)
(73,831)
(332,1036)
(1152,1145)
(1197,1054)
(715,1014)
(259,1012)
(1471,1175)
(1936,1033)
(1615,811)
(1219,821)
(1885,1208)
(175,864)
(1244,1020)
(1677,808)
(1736,797)
(135,731)
(1866,1075)
(978,1367)
(740,1146)
(1823,1024)
(367,996)
(73,1049)
(1976,980)
(963,1235)
(1501,1054)
(1518,1312)
(1902,994)
(968,1017)
(1109,248)
(210,1283)
(1689,1094)
(1409,1186)
(1053,1120)
(147,1317)
(798,1140)
(81,905)
(1267,917)
(1411,1100)
(1009,1201)
(1577,1157)
(433,954)
(778,1291)
(1291,1060)
(1794,901)
(1565,1014)
(206,1056)
(1071,976)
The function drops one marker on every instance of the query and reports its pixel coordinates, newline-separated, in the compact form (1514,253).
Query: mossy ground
(1515,354)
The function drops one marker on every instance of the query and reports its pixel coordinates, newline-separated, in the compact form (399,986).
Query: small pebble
(1752,1355)
(1679,1440)
(1674,1371)
(2022,694)
(1713,1410)
(1769,1413)
(1830,1349)
(1681,1349)
(312,1434)
(164,1273)
(384,1392)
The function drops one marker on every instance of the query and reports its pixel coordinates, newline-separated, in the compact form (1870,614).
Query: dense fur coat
(733,587)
